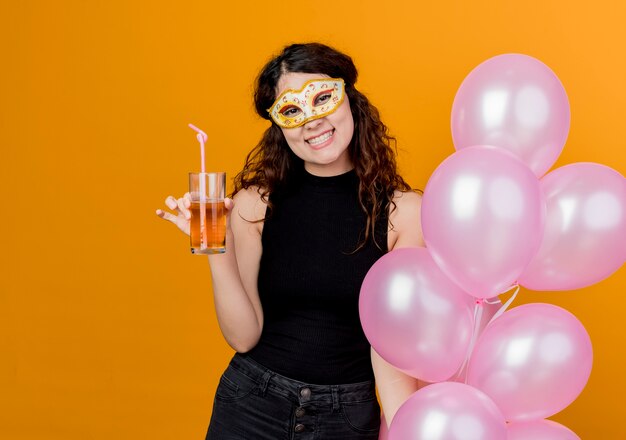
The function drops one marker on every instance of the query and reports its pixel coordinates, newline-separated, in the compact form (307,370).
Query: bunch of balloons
(493,221)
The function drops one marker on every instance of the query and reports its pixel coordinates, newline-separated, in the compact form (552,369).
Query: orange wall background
(107,323)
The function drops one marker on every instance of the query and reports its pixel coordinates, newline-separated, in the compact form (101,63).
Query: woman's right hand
(182,216)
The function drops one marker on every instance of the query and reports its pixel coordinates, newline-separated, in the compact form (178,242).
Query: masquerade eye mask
(317,98)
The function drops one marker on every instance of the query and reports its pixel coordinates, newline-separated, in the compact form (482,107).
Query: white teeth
(322,138)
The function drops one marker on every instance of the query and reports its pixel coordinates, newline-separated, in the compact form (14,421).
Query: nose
(313,124)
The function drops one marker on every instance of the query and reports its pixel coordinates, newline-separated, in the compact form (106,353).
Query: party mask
(317,98)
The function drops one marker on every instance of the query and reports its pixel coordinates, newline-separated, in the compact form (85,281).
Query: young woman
(318,202)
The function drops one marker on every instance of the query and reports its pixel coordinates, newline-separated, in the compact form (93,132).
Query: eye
(322,98)
(290,111)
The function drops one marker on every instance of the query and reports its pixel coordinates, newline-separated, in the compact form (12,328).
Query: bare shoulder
(249,206)
(405,226)
(408,203)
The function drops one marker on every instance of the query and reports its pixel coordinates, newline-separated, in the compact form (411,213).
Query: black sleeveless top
(309,281)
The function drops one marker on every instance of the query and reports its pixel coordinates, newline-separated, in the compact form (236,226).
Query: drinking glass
(208,215)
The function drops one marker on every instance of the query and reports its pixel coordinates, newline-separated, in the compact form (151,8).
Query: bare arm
(394,387)
(234,273)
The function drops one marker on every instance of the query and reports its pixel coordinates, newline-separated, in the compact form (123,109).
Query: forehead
(295,80)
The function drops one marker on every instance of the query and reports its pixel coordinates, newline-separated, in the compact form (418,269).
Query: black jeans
(254,403)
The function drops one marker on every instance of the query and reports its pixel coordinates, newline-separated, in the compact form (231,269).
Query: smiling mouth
(321,138)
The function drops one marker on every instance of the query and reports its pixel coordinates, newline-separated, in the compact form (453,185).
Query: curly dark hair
(372,150)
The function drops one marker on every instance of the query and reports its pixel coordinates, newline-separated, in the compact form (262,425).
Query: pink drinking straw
(202,138)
